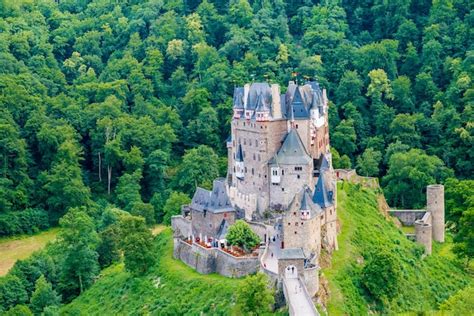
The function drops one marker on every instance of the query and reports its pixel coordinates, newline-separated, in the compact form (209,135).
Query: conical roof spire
(321,196)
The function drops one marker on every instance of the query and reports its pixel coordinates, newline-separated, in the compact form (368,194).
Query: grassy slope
(426,282)
(21,247)
(171,288)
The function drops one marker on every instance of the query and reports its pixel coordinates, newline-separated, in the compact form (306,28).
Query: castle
(280,180)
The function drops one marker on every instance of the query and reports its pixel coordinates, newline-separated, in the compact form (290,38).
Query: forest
(112,112)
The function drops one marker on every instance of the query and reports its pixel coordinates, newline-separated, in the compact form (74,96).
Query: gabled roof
(215,201)
(240,155)
(322,196)
(292,151)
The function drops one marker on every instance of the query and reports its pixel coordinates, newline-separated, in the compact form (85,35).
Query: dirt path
(13,249)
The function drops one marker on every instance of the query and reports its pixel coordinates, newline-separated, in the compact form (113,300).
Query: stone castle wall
(291,182)
(247,202)
(198,258)
(305,234)
(311,280)
(260,141)
(181,226)
(212,260)
(408,217)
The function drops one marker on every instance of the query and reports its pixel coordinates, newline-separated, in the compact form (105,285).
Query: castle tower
(423,234)
(435,205)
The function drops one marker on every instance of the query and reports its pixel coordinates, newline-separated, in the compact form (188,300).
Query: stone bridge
(297,297)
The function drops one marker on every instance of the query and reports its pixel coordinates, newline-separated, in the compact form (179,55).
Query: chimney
(246,94)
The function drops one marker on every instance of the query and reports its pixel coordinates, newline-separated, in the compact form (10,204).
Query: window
(283,189)
(294,213)
(296,232)
(298,168)
(275,172)
(254,157)
(298,176)
(252,172)
(289,224)
(256,143)
(296,126)
(296,224)
(282,172)
(245,169)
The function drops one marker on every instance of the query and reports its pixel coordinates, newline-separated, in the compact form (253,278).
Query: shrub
(381,275)
(242,235)
(254,296)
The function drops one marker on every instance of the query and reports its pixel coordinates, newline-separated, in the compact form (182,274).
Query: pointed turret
(322,196)
(238,102)
(262,110)
(239,163)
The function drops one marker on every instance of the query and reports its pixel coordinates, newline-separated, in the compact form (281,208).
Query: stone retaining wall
(408,217)
(311,280)
(181,226)
(214,260)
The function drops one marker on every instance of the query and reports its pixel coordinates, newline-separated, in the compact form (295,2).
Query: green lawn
(171,288)
(21,247)
(426,282)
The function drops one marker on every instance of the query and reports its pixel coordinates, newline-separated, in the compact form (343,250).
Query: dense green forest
(112,108)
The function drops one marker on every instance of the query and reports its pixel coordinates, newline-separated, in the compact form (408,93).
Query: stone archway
(291,272)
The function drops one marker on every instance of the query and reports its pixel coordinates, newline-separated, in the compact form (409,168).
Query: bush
(254,297)
(381,275)
(28,221)
(242,235)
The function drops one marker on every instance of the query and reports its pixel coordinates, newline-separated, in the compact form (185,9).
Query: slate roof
(215,201)
(298,100)
(238,98)
(223,228)
(321,163)
(304,197)
(301,99)
(291,253)
(258,89)
(322,196)
(292,152)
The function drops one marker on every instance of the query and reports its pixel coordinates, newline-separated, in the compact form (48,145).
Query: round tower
(435,205)
(423,235)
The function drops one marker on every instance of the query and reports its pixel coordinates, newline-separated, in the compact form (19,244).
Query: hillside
(425,283)
(171,288)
